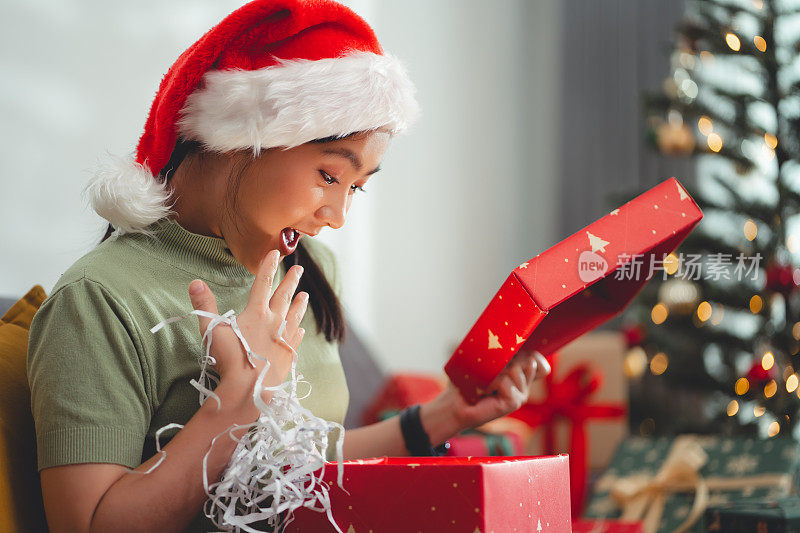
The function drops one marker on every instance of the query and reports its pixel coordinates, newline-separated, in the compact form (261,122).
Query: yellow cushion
(21,506)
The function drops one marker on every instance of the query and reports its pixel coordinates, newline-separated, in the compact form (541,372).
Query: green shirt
(102,384)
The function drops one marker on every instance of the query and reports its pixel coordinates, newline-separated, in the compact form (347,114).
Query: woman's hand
(449,413)
(259,323)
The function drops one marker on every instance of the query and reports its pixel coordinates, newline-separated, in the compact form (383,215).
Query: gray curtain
(613,51)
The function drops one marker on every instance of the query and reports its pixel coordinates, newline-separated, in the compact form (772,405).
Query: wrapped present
(602,353)
(479,443)
(401,391)
(667,483)
(606,526)
(574,286)
(569,396)
(435,494)
(777,515)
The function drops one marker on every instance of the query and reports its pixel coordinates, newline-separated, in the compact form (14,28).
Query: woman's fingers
(297,338)
(543,367)
(262,286)
(529,367)
(509,390)
(202,300)
(295,315)
(282,297)
(517,375)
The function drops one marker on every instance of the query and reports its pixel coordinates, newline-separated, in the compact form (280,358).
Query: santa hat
(274,73)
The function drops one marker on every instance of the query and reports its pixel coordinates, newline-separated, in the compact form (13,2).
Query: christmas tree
(714,336)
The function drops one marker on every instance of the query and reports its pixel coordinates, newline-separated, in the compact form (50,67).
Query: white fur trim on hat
(126,194)
(298,101)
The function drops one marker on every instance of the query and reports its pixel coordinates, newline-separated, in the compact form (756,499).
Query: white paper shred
(279,462)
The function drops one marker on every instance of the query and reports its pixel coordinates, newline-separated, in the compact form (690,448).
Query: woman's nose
(335,211)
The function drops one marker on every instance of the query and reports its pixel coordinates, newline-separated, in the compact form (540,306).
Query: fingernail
(196,287)
(299,271)
(302,331)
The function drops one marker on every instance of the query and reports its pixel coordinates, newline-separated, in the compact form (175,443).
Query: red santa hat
(274,73)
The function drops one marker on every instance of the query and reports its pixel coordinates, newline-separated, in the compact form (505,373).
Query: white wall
(462,199)
(469,193)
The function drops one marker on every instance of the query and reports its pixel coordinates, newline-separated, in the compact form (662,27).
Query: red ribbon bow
(569,398)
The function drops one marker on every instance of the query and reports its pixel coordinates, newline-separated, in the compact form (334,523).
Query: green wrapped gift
(779,515)
(668,482)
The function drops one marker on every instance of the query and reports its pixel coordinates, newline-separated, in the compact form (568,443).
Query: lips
(289,239)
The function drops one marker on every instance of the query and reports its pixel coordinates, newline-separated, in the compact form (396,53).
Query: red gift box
(567,290)
(401,391)
(606,526)
(435,494)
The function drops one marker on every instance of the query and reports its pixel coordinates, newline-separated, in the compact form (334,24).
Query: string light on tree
(767,361)
(679,295)
(733,408)
(733,41)
(705,125)
(771,141)
(750,230)
(659,363)
(673,136)
(659,313)
(742,386)
(704,311)
(714,142)
(760,43)
(791,383)
(774,429)
(635,362)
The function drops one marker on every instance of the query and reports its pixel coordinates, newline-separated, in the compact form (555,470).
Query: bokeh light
(750,230)
(767,361)
(659,313)
(733,42)
(659,363)
(742,386)
(705,125)
(756,304)
(715,142)
(791,383)
(704,311)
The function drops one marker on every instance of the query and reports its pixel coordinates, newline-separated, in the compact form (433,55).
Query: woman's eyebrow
(350,156)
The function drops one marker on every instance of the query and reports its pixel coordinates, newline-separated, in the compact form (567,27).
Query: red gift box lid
(569,289)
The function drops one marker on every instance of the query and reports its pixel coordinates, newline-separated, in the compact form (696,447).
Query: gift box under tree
(779,515)
(574,413)
(669,482)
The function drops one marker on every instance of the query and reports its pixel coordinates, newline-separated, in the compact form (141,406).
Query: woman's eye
(330,180)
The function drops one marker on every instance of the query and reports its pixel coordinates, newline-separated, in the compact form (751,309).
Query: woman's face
(304,189)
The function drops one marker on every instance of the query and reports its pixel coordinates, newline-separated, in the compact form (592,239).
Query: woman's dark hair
(326,306)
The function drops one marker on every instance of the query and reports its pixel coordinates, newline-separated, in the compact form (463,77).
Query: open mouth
(289,240)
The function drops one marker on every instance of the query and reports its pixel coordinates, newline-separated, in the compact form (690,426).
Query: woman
(260,135)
